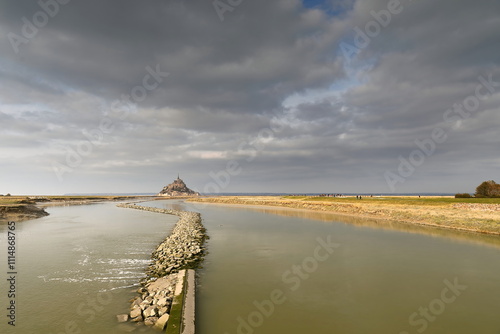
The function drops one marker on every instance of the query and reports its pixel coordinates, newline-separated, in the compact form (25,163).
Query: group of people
(331,195)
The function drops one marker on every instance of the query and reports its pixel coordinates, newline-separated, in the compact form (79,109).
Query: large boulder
(151,311)
(135,312)
(122,317)
(150,321)
(162,322)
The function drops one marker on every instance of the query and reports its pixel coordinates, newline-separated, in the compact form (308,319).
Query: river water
(78,267)
(268,270)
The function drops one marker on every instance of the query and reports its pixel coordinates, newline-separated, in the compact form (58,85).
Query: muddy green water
(266,272)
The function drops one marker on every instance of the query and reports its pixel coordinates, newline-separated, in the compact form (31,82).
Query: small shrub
(464,195)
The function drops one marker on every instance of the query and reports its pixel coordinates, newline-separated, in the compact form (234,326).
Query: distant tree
(488,189)
(8,194)
(464,195)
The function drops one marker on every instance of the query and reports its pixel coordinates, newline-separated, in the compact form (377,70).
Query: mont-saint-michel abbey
(177,189)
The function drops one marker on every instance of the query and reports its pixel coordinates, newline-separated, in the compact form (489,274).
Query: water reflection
(491,240)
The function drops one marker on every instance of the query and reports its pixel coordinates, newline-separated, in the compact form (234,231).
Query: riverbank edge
(390,214)
(188,237)
(20,213)
(33,207)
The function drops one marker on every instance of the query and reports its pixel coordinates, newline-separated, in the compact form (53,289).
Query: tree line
(487,189)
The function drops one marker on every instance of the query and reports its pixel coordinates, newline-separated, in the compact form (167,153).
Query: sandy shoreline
(478,218)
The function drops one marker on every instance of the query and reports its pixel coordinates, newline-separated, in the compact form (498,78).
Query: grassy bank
(400,200)
(480,215)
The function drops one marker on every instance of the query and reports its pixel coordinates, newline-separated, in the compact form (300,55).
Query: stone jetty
(182,249)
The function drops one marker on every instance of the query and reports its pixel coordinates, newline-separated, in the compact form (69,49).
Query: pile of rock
(182,249)
(153,305)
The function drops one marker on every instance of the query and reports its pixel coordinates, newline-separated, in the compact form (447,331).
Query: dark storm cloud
(249,62)
(226,86)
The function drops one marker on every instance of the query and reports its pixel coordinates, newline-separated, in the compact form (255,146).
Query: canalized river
(268,270)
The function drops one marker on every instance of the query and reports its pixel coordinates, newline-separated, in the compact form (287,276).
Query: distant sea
(270,194)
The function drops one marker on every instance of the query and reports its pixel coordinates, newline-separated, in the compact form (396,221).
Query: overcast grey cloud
(338,123)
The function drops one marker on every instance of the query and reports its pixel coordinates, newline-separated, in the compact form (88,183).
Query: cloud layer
(119,96)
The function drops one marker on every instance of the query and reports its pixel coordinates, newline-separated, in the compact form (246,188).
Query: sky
(332,96)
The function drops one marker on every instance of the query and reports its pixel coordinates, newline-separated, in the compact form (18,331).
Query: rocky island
(177,189)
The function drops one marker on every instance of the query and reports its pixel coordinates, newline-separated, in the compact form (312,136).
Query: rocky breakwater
(182,249)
